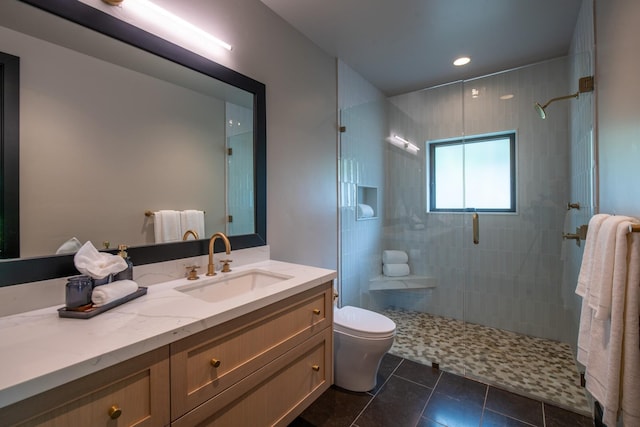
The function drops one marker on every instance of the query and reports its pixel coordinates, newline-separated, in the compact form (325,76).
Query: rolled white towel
(365,211)
(394,257)
(395,270)
(105,294)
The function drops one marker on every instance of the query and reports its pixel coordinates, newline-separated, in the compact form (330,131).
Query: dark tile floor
(415,395)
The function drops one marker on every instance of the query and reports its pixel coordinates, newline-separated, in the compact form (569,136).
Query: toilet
(360,339)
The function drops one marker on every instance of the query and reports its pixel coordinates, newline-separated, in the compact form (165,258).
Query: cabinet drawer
(207,363)
(138,388)
(273,395)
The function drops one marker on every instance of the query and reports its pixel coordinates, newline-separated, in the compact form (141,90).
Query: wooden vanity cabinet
(263,368)
(131,393)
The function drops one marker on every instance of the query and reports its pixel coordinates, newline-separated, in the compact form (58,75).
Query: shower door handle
(476,228)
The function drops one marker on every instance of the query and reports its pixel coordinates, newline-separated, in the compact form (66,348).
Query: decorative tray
(89,311)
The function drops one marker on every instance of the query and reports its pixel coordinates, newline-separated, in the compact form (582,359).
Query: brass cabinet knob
(315,368)
(215,363)
(316,311)
(115,412)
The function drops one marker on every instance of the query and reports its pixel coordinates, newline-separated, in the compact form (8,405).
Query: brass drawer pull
(315,368)
(316,311)
(215,363)
(115,412)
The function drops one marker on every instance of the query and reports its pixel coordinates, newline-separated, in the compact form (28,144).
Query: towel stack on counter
(395,263)
(100,265)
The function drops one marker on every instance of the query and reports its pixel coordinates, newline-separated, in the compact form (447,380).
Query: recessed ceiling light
(463,60)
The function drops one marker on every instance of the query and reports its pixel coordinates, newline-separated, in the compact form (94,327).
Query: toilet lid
(362,323)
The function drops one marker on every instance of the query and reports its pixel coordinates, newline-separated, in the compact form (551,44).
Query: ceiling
(404,45)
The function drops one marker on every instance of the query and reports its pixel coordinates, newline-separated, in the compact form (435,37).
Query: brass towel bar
(150,213)
(634,228)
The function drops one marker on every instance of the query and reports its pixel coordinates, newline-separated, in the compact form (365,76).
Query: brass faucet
(193,233)
(210,267)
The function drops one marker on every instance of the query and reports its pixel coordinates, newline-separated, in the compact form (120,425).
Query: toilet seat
(362,323)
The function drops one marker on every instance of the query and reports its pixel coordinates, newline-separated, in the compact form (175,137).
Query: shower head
(585,84)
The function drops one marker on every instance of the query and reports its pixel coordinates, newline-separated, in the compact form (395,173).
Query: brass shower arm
(585,84)
(574,95)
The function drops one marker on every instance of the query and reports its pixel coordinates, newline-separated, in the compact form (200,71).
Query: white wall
(618,105)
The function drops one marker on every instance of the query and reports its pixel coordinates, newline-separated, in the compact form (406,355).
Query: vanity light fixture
(463,60)
(406,143)
(165,18)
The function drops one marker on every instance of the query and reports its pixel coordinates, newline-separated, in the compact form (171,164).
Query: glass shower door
(518,322)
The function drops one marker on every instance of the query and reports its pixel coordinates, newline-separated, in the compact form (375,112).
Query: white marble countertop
(39,350)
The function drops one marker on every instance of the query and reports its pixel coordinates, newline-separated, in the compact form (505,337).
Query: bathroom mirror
(205,76)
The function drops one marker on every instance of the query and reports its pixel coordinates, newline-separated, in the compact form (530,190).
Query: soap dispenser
(126,274)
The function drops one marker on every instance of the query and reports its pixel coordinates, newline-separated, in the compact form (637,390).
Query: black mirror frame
(17,271)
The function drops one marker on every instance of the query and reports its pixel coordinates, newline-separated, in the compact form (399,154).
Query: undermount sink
(229,285)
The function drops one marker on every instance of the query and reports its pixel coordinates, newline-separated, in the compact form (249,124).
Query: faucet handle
(192,273)
(225,265)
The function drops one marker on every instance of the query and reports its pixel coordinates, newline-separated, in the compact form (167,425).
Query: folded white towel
(192,220)
(96,264)
(113,291)
(395,270)
(394,257)
(70,246)
(167,226)
(365,211)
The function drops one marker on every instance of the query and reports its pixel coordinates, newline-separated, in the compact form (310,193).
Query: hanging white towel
(589,255)
(605,261)
(167,226)
(631,340)
(588,273)
(192,220)
(609,345)
(394,257)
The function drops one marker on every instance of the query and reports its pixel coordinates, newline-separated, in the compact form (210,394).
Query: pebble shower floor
(534,367)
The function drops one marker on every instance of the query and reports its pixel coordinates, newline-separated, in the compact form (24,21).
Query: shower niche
(367,198)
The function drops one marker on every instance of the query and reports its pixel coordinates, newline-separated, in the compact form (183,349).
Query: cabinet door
(207,363)
(132,393)
(275,394)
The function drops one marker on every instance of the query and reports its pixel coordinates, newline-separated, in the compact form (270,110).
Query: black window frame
(511,135)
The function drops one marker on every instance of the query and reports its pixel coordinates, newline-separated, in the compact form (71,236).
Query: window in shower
(473,173)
